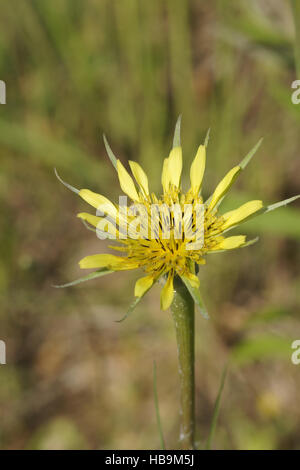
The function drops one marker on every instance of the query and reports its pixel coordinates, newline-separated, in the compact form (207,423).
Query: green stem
(184,320)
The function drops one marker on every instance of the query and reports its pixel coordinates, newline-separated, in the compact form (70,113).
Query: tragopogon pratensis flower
(164,240)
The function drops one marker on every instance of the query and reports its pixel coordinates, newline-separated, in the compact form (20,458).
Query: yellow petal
(230,243)
(197,169)
(98,201)
(193,279)
(175,165)
(91,219)
(224,186)
(165,176)
(101,223)
(126,182)
(167,292)
(105,261)
(238,215)
(142,285)
(140,176)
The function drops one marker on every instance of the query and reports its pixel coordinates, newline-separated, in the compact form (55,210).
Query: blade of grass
(161,435)
(216,410)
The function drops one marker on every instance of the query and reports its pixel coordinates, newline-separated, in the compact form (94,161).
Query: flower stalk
(167,245)
(183,312)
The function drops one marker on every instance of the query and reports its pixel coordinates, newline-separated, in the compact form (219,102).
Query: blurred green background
(74,378)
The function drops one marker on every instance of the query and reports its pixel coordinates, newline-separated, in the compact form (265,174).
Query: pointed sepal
(110,153)
(177,139)
(196,295)
(93,275)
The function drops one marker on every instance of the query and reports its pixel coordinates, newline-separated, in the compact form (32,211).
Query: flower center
(170,232)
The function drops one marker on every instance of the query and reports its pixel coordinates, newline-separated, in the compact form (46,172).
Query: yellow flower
(159,240)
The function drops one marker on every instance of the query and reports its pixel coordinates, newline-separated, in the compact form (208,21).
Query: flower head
(169,235)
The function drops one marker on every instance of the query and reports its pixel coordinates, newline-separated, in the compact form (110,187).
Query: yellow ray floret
(224,186)
(142,285)
(126,182)
(231,243)
(165,175)
(98,202)
(140,176)
(167,292)
(193,279)
(102,224)
(197,169)
(175,166)
(236,216)
(113,262)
